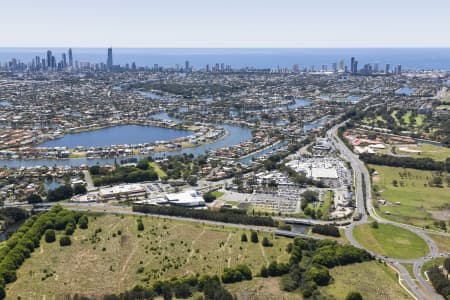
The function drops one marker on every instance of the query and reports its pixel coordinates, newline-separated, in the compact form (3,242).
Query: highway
(421,289)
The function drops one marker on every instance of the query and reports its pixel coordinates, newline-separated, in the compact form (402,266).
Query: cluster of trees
(326,229)
(209,197)
(307,198)
(184,166)
(180,288)
(237,274)
(440,281)
(321,255)
(223,215)
(274,269)
(422,163)
(129,174)
(21,244)
(11,215)
(63,192)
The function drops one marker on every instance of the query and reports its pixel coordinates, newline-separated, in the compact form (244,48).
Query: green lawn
(391,241)
(417,200)
(158,170)
(107,262)
(217,194)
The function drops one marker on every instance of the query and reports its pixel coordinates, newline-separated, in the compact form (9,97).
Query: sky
(225,23)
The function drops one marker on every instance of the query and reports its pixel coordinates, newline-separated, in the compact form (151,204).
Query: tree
(320,275)
(209,197)
(166,291)
(266,243)
(50,236)
(244,238)
(192,180)
(264,272)
(70,228)
(79,189)
(182,291)
(254,237)
(143,164)
(60,193)
(447,264)
(34,198)
(374,224)
(310,196)
(354,296)
(65,241)
(83,222)
(140,225)
(272,270)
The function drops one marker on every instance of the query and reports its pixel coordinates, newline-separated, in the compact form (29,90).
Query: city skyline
(211,24)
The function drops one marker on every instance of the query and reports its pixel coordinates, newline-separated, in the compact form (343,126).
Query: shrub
(244,238)
(266,243)
(354,296)
(254,237)
(50,236)
(70,228)
(65,241)
(83,222)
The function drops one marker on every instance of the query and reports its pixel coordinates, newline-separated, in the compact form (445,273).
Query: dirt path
(263,253)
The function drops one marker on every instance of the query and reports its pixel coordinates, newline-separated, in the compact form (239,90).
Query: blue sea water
(409,58)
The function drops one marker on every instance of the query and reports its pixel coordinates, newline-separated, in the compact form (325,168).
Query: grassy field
(443,242)
(418,203)
(158,170)
(391,241)
(109,262)
(373,280)
(426,150)
(261,288)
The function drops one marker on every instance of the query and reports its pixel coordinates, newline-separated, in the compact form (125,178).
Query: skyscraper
(49,58)
(70,57)
(341,65)
(387,69)
(109,62)
(352,65)
(64,60)
(186,66)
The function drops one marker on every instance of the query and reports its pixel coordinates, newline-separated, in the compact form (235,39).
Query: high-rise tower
(70,57)
(109,62)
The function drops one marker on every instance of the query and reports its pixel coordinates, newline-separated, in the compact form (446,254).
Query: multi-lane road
(419,287)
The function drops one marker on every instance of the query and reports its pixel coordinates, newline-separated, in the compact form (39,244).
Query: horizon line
(163,47)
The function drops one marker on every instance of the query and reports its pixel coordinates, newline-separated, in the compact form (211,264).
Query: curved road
(361,173)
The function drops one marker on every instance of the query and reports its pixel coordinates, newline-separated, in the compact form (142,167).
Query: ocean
(409,58)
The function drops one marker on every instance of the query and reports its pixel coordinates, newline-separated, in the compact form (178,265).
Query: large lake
(235,136)
(118,135)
